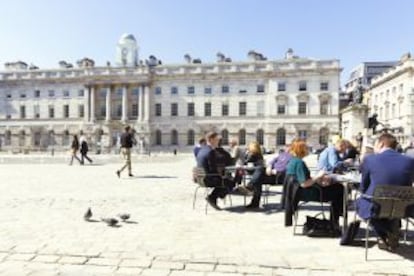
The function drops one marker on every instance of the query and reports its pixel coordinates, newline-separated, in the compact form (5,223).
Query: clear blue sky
(43,32)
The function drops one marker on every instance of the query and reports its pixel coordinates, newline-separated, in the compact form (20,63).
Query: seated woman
(254,156)
(276,168)
(319,188)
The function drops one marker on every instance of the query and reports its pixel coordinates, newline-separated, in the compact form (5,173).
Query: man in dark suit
(207,159)
(386,167)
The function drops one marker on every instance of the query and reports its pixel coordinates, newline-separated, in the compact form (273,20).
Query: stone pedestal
(354,120)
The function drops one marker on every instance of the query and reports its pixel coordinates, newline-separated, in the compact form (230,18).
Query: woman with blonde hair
(254,156)
(319,188)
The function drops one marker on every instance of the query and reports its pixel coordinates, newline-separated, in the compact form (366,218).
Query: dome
(127,37)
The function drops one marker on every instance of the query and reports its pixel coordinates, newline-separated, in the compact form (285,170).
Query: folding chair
(199,175)
(279,177)
(391,202)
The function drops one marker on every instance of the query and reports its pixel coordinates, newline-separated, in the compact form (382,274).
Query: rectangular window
(36,111)
(190,90)
(174,90)
(66,93)
(281,109)
(22,95)
(135,92)
(242,91)
(302,134)
(134,110)
(324,86)
(260,108)
(393,111)
(242,108)
(158,90)
(225,89)
(302,108)
(81,93)
(37,93)
(225,110)
(324,108)
(260,88)
(207,90)
(158,110)
(207,109)
(302,86)
(51,111)
(22,112)
(174,109)
(281,86)
(102,93)
(103,110)
(190,109)
(119,110)
(51,93)
(9,96)
(118,93)
(81,111)
(66,111)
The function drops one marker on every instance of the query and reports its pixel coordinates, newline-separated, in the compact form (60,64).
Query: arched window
(224,137)
(242,137)
(7,138)
(323,136)
(174,137)
(22,138)
(260,136)
(158,137)
(190,137)
(281,137)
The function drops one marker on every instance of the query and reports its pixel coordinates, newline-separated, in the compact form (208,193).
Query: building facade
(169,106)
(391,97)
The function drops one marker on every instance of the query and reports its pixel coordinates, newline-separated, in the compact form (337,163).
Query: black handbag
(315,227)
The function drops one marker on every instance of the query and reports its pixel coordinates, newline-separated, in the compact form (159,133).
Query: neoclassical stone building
(169,106)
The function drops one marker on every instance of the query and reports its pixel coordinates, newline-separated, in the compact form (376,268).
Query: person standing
(74,149)
(127,141)
(84,150)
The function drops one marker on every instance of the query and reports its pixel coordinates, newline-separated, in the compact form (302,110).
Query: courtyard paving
(42,231)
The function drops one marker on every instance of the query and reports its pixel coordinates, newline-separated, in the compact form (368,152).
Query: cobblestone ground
(42,231)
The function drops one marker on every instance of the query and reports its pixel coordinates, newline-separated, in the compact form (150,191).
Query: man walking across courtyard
(127,141)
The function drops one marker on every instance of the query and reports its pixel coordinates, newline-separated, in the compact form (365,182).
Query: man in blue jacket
(386,167)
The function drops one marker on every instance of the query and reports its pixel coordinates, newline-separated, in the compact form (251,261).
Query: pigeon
(124,216)
(87,216)
(110,221)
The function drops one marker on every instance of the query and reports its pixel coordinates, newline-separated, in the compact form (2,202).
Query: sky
(43,32)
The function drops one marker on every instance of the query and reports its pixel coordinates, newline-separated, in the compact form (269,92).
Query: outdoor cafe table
(349,181)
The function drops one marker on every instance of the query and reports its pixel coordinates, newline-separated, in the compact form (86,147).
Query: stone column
(92,118)
(108,104)
(124,117)
(146,104)
(139,115)
(86,102)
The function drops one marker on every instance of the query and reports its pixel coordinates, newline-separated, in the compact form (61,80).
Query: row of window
(281,86)
(50,93)
(51,111)
(281,109)
(280,136)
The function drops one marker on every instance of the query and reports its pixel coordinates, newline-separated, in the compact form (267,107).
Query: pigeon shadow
(130,222)
(92,220)
(115,225)
(243,209)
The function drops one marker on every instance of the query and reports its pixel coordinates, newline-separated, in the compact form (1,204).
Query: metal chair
(199,175)
(391,203)
(266,192)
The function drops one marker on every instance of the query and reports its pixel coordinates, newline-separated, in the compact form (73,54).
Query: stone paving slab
(43,232)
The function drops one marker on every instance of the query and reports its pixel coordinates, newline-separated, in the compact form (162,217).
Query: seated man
(329,159)
(386,167)
(276,168)
(207,159)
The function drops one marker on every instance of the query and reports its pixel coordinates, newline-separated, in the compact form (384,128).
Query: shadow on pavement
(153,176)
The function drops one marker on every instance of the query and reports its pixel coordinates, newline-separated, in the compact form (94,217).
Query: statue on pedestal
(357,95)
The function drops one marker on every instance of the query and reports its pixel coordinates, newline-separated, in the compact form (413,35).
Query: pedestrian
(84,150)
(127,141)
(74,149)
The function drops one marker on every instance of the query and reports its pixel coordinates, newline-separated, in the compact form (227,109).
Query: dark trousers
(222,186)
(274,178)
(84,156)
(386,227)
(335,194)
(256,182)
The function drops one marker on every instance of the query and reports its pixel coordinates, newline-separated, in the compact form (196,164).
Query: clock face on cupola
(127,51)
